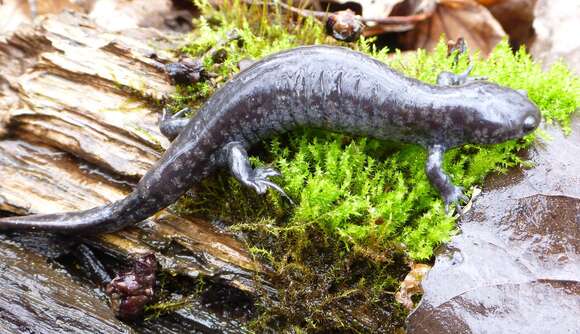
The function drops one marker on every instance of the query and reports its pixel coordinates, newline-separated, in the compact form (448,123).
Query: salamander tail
(99,219)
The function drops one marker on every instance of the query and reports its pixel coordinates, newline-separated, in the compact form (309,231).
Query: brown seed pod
(344,25)
(131,291)
(184,72)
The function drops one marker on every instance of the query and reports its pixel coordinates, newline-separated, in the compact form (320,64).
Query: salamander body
(324,87)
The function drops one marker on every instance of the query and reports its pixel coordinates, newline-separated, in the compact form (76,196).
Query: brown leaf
(454,19)
(373,8)
(516,18)
(411,285)
(516,266)
(491,2)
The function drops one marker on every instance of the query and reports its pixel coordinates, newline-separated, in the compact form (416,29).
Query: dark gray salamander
(317,86)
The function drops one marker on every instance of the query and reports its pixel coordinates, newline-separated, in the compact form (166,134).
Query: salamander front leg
(451,79)
(236,158)
(451,193)
(171,125)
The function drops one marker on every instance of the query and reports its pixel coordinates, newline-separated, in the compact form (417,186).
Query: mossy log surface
(80,109)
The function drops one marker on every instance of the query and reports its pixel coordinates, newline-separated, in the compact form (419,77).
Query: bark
(35,298)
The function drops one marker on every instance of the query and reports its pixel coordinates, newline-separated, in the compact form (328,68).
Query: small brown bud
(344,25)
(186,71)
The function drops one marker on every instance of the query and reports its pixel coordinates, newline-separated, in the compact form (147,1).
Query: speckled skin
(318,86)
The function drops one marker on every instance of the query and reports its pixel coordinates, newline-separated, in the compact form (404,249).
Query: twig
(320,14)
(399,19)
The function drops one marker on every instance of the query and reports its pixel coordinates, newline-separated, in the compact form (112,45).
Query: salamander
(325,87)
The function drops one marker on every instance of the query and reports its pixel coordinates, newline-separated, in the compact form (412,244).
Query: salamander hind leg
(171,125)
(451,194)
(236,158)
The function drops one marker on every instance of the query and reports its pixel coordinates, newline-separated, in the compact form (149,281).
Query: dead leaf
(491,2)
(516,18)
(403,17)
(411,285)
(454,19)
(373,8)
(515,267)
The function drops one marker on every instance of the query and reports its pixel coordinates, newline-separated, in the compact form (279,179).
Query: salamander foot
(235,157)
(454,199)
(171,125)
(261,182)
(451,194)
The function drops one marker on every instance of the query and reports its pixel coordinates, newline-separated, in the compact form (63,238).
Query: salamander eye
(530,123)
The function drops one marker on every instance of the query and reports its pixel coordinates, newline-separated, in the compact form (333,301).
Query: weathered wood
(81,95)
(82,130)
(36,298)
(41,179)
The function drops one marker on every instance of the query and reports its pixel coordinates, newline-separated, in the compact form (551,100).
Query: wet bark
(36,298)
(79,108)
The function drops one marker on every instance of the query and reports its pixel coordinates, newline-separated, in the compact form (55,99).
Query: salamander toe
(261,182)
(454,199)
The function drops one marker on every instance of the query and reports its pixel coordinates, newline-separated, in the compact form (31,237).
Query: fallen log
(36,298)
(80,107)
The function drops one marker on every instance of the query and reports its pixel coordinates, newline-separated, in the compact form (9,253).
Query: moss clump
(357,199)
(323,288)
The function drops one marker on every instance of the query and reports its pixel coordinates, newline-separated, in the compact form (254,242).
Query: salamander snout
(530,123)
(501,113)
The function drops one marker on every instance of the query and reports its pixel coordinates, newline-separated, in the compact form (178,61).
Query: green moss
(357,199)
(324,288)
(262,32)
(361,190)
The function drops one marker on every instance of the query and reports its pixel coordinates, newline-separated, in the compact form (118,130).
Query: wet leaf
(515,267)
(454,19)
(411,285)
(516,18)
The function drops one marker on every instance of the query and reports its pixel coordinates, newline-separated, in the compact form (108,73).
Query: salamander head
(500,114)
